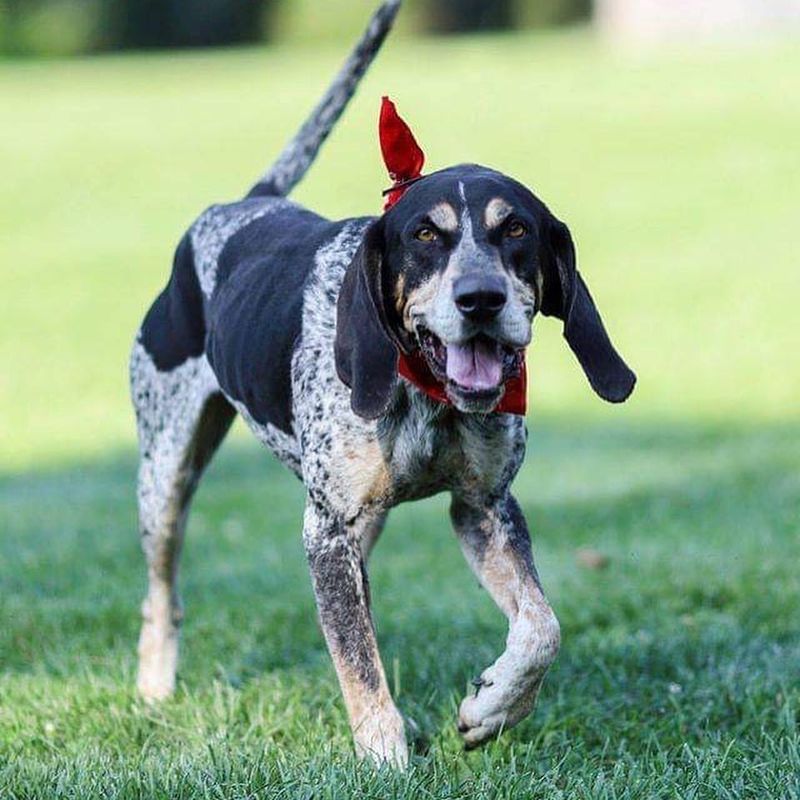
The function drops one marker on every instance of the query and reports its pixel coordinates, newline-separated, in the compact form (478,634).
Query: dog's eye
(516,230)
(425,235)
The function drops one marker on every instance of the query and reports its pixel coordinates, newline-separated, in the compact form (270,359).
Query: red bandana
(415,368)
(404,160)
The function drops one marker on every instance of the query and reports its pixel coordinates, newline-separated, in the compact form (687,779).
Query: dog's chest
(429,448)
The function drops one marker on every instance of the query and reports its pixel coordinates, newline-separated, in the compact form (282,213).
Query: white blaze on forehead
(466,220)
(444,217)
(495,212)
(466,253)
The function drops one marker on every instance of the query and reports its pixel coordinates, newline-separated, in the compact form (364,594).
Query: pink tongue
(477,364)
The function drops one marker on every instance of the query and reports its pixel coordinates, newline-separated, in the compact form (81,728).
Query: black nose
(480,297)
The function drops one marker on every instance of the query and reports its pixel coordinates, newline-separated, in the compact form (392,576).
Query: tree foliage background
(72,27)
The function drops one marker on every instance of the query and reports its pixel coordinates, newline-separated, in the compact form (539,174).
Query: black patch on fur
(470,522)
(343,609)
(255,314)
(418,261)
(174,329)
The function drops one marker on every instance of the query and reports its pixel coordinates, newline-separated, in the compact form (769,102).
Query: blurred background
(71,27)
(664,134)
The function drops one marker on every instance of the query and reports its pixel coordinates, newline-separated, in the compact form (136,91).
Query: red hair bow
(402,155)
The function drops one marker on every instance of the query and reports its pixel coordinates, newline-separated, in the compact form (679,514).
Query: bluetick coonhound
(296,323)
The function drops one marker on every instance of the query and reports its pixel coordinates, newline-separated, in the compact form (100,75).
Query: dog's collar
(414,368)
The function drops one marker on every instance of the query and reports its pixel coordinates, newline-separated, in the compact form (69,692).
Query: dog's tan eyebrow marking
(495,212)
(444,217)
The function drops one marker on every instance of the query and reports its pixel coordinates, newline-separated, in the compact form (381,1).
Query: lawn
(678,676)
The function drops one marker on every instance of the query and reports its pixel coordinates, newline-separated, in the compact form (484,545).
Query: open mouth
(476,367)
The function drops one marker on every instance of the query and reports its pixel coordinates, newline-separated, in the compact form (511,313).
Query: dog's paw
(158,662)
(506,692)
(500,702)
(380,737)
(154,689)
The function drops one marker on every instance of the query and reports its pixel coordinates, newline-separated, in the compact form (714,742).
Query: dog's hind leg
(181,419)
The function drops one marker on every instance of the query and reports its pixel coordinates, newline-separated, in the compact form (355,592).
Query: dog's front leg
(495,541)
(334,550)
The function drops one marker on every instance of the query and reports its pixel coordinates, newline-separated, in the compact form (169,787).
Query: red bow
(402,155)
(404,159)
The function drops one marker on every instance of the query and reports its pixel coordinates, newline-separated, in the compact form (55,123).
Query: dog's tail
(298,155)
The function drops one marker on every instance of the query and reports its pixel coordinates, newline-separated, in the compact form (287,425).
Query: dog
(300,325)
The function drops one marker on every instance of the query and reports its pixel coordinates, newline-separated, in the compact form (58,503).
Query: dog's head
(458,268)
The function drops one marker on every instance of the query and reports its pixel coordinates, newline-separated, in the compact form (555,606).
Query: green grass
(677,677)
(679,176)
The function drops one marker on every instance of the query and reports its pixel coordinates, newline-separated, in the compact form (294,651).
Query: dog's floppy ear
(366,356)
(567,297)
